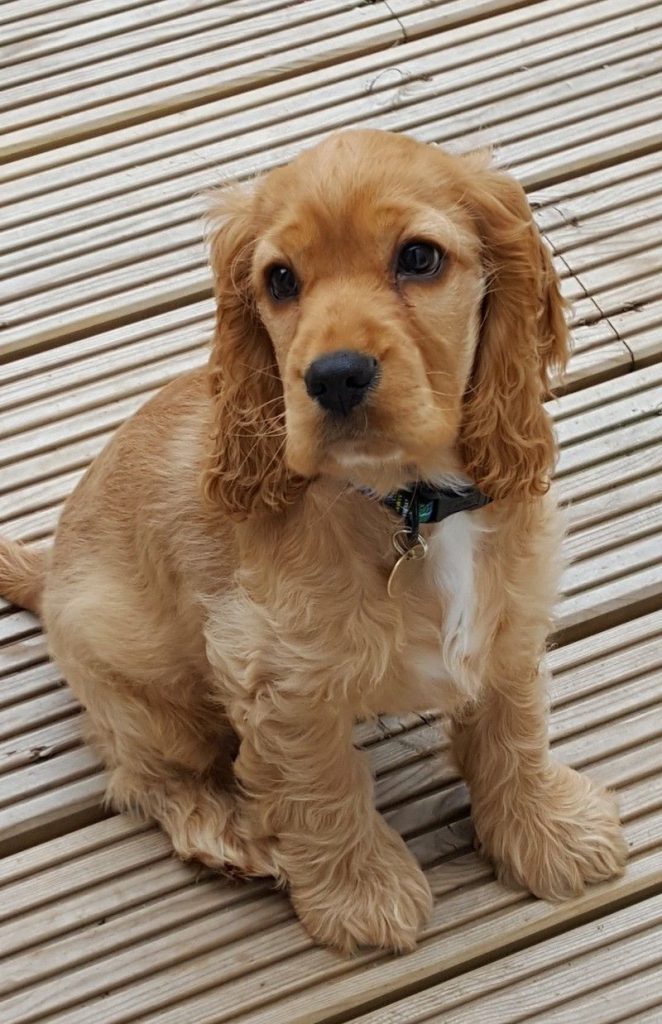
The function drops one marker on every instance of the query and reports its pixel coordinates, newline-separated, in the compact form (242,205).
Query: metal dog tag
(407,551)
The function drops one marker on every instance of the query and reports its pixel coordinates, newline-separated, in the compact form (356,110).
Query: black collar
(422,503)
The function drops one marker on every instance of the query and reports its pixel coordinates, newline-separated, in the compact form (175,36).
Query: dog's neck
(421,503)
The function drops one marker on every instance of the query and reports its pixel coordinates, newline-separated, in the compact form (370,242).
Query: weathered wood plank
(34,711)
(640,991)
(27,683)
(550,972)
(77,36)
(79,361)
(100,95)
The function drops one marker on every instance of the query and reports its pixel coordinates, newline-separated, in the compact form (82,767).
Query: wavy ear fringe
(245,472)
(507,439)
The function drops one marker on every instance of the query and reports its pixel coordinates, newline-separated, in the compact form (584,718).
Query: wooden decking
(113,114)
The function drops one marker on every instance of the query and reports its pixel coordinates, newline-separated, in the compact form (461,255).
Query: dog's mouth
(365,435)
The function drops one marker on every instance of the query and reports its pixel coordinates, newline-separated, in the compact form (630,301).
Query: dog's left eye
(419,259)
(282,283)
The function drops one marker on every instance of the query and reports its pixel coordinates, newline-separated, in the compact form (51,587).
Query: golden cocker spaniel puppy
(347,512)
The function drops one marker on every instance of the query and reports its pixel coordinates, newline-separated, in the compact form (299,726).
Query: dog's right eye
(420,259)
(282,283)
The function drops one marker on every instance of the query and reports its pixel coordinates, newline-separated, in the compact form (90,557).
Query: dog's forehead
(356,184)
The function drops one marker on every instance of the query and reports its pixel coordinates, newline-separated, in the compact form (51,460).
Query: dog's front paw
(214,833)
(567,837)
(379,897)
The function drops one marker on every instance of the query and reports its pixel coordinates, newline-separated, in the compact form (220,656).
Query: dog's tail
(22,574)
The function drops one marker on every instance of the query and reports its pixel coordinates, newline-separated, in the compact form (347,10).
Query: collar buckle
(423,503)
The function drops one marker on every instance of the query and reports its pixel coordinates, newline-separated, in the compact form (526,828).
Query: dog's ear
(245,471)
(506,436)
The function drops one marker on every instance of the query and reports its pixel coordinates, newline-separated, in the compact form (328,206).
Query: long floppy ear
(245,471)
(507,439)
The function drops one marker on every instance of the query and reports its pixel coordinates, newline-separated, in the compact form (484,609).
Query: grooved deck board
(544,978)
(188,68)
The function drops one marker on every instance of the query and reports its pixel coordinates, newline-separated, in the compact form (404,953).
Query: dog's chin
(382,472)
(353,461)
(381,467)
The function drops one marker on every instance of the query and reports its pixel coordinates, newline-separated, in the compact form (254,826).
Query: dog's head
(386,312)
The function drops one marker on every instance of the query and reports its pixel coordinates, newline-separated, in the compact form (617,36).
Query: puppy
(347,512)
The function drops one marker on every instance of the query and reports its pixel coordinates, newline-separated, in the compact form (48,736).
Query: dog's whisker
(330,506)
(261,434)
(276,455)
(271,401)
(256,370)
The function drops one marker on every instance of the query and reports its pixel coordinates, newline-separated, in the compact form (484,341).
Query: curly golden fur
(216,595)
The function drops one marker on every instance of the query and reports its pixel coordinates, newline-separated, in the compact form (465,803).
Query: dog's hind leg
(171,761)
(141,678)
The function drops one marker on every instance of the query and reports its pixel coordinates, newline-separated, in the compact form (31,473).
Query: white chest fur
(451,567)
(452,556)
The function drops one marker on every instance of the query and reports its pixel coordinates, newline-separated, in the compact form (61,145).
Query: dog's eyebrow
(434,225)
(281,239)
(267,251)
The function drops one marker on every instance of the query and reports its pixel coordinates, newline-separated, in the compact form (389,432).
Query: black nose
(341,380)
